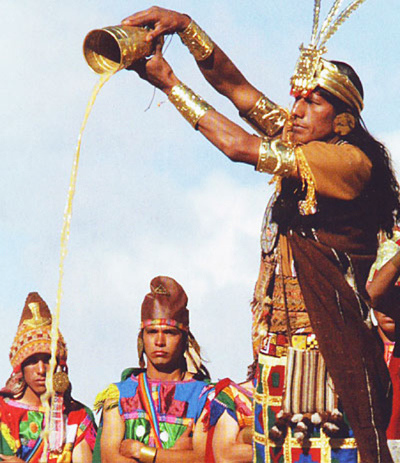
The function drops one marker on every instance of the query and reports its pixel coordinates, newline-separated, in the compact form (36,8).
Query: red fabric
(393,430)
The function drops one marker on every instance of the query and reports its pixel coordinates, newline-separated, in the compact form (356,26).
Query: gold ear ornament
(344,123)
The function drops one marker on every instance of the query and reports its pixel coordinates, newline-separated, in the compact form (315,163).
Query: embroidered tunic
(177,404)
(21,425)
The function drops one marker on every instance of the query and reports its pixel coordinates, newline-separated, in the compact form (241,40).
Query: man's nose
(298,108)
(160,339)
(41,367)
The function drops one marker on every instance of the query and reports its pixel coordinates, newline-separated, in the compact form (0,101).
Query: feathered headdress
(312,71)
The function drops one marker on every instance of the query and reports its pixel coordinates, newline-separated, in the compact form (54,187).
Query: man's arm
(381,290)
(225,443)
(82,453)
(112,437)
(237,144)
(218,69)
(186,450)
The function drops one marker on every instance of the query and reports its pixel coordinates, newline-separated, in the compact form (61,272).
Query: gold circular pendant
(60,382)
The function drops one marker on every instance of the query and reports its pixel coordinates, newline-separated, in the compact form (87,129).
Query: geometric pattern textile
(268,397)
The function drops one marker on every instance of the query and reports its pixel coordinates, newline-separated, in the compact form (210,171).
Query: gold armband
(147,454)
(266,117)
(199,43)
(191,106)
(276,157)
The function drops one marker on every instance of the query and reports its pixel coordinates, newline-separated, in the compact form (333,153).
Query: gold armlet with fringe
(266,117)
(109,395)
(191,106)
(276,157)
(147,454)
(309,205)
(198,42)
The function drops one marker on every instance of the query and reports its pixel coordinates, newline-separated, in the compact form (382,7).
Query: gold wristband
(147,454)
(276,157)
(198,42)
(266,117)
(191,106)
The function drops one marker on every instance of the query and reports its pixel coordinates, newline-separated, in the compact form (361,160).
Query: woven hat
(34,333)
(166,304)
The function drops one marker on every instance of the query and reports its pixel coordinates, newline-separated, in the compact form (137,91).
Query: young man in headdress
(150,415)
(22,415)
(336,191)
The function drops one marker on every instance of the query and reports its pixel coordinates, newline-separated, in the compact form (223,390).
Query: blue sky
(153,197)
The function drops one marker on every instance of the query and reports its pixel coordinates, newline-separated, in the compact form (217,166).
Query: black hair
(382,191)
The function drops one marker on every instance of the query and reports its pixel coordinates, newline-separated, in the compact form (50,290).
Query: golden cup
(116,47)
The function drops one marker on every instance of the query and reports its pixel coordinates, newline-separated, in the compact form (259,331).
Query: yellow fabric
(110,394)
(340,171)
(11,442)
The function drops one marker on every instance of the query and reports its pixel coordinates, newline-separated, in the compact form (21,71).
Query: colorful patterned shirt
(176,403)
(21,426)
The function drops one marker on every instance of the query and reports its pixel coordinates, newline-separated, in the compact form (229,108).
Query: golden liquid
(65,232)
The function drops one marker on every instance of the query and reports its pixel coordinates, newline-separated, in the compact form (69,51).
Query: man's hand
(130,448)
(156,71)
(11,458)
(185,442)
(162,21)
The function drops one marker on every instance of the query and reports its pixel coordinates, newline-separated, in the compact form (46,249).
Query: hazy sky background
(153,197)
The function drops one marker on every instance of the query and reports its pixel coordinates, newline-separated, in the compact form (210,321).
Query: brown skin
(386,326)
(164,347)
(385,296)
(34,370)
(313,116)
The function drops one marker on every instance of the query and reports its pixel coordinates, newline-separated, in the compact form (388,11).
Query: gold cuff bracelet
(276,157)
(147,454)
(191,106)
(266,117)
(198,42)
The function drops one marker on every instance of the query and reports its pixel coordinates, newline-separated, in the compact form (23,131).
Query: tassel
(110,394)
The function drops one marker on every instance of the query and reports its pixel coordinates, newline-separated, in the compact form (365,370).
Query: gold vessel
(114,48)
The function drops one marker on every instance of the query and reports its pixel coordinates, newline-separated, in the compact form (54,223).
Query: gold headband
(312,71)
(328,77)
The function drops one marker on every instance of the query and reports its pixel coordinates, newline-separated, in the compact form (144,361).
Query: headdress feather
(329,18)
(317,10)
(340,20)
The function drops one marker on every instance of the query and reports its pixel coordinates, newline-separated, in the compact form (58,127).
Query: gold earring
(344,123)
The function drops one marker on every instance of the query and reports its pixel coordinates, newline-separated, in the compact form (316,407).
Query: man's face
(312,119)
(34,370)
(163,346)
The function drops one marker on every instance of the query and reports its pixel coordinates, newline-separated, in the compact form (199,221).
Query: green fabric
(25,429)
(96,458)
(139,429)
(4,447)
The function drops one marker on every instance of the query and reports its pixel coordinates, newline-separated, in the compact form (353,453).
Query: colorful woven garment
(21,426)
(233,399)
(177,404)
(268,401)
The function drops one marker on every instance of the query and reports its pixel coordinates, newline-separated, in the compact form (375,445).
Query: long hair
(382,191)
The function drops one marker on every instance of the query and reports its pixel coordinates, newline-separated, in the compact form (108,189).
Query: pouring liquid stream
(47,397)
